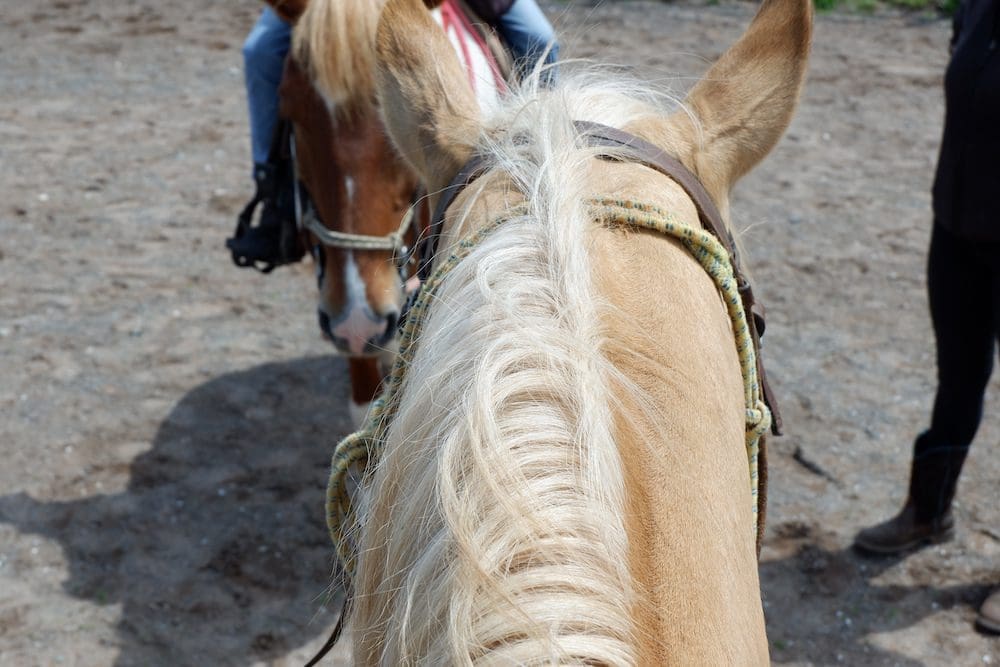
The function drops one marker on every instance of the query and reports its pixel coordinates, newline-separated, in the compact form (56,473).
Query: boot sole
(946,535)
(988,625)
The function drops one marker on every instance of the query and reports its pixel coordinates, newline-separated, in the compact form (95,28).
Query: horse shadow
(824,603)
(217,550)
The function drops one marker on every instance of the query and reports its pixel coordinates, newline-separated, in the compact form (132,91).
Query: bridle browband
(644,153)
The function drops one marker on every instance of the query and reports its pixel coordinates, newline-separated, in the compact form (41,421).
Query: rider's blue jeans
(528,33)
(524,27)
(264,60)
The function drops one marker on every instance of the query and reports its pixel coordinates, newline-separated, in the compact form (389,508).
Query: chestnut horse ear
(290,10)
(745,102)
(428,107)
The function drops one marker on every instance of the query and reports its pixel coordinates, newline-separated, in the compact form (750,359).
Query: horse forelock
(497,509)
(334,40)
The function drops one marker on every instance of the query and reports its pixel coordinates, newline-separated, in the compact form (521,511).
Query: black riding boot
(926,517)
(274,240)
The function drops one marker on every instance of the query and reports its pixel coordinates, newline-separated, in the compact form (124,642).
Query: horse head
(361,191)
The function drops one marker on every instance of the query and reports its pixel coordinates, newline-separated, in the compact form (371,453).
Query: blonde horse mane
(495,530)
(334,40)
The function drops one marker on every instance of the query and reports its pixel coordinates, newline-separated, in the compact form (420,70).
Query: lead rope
(714,258)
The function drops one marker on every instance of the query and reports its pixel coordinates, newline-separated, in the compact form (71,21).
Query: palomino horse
(559,472)
(363,216)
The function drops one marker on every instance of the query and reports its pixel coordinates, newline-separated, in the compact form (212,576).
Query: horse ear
(745,102)
(290,10)
(428,107)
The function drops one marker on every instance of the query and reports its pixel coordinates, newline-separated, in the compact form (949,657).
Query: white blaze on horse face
(477,63)
(331,105)
(358,324)
(349,186)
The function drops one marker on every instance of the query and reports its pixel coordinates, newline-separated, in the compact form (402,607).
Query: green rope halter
(364,447)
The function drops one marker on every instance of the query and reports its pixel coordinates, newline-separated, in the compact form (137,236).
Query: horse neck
(566,476)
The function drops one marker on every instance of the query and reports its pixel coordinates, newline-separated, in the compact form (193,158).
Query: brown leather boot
(926,517)
(903,532)
(989,614)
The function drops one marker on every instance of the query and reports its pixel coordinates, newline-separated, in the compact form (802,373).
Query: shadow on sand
(217,550)
(823,603)
(218,555)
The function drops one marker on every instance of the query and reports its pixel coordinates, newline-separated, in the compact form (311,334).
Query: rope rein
(363,448)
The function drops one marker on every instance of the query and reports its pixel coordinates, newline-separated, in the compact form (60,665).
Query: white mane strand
(501,474)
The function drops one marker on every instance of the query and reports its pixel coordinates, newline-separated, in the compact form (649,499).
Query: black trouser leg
(962,288)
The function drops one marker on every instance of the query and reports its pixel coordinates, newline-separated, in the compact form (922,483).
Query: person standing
(963,284)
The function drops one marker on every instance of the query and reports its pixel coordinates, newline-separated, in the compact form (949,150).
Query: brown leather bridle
(641,152)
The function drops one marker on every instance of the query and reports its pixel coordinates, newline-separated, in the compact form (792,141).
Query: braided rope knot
(758,419)
(362,449)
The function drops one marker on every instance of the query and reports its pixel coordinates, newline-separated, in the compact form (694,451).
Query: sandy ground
(166,420)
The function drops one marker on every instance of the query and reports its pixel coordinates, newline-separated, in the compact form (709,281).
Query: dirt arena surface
(166,419)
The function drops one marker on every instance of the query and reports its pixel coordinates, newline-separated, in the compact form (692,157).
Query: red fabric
(452,16)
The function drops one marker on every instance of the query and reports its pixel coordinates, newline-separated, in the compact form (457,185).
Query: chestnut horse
(364,212)
(559,474)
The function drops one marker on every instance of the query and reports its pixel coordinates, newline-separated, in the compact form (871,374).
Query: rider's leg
(264,54)
(273,240)
(529,34)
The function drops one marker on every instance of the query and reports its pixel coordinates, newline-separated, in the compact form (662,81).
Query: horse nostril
(324,323)
(391,321)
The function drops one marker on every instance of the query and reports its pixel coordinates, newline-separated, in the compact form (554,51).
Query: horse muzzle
(360,332)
